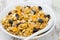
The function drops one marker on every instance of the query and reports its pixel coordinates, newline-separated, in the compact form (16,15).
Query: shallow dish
(46,9)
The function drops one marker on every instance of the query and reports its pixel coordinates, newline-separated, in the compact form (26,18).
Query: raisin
(15,10)
(19,23)
(40,8)
(34,12)
(11,22)
(47,16)
(9,13)
(28,6)
(35,30)
(40,21)
(17,16)
(21,30)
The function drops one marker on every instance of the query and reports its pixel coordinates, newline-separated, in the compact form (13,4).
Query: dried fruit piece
(40,21)
(28,6)
(19,23)
(11,21)
(35,30)
(47,16)
(34,12)
(9,13)
(40,8)
(17,16)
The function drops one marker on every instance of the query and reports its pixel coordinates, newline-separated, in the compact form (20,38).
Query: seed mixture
(25,20)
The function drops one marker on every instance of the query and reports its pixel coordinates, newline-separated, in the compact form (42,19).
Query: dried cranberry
(17,16)
(40,8)
(11,21)
(47,16)
(35,30)
(40,20)
(9,13)
(34,12)
(28,6)
(19,23)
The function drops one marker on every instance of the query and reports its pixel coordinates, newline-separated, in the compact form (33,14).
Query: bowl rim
(12,34)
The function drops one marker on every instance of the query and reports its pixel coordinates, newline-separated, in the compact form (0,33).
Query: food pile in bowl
(25,20)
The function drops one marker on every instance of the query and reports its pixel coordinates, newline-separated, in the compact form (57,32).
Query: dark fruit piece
(40,21)
(15,10)
(35,30)
(9,13)
(19,23)
(47,16)
(11,21)
(28,6)
(20,9)
(40,8)
(21,30)
(17,16)
(34,12)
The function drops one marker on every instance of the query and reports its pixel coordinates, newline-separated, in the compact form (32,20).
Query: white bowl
(46,9)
